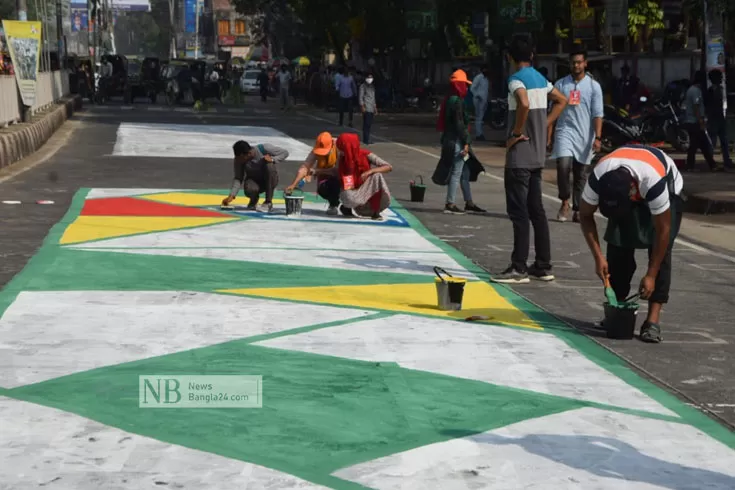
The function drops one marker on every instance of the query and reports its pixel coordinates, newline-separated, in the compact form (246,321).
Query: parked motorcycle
(497,113)
(423,98)
(658,122)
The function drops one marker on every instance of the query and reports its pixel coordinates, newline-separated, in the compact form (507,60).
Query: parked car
(249,82)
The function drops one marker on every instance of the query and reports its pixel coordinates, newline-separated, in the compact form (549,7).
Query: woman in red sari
(364,189)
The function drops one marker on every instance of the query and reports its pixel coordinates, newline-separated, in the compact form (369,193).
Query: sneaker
(332,211)
(452,209)
(377,217)
(511,276)
(346,212)
(540,274)
(265,207)
(575,217)
(563,214)
(474,209)
(650,333)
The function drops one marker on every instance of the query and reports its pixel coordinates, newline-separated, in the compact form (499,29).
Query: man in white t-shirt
(284,82)
(638,189)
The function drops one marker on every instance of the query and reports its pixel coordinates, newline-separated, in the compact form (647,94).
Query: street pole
(22,8)
(22,16)
(59,35)
(171,9)
(196,31)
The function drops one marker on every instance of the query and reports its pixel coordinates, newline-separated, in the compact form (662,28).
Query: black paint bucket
(417,190)
(620,320)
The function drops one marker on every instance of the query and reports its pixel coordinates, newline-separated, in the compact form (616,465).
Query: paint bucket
(620,320)
(293,204)
(417,190)
(449,290)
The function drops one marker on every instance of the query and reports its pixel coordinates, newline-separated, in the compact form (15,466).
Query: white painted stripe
(44,446)
(680,241)
(579,449)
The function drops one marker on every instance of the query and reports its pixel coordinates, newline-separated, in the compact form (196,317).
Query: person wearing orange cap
(453,123)
(322,164)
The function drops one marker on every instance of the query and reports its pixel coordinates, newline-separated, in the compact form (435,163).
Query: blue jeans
(460,176)
(718,130)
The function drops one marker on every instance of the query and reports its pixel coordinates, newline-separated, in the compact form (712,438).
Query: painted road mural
(366,383)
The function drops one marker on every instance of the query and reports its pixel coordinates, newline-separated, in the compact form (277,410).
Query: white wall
(51,87)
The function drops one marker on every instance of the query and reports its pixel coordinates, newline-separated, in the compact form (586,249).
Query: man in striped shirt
(638,189)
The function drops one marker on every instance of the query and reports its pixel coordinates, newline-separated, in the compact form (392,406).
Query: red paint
(129,206)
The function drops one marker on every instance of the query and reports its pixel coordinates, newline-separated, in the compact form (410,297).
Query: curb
(710,203)
(17,145)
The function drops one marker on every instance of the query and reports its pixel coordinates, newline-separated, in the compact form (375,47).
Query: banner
(616,17)
(583,22)
(190,14)
(79,19)
(24,44)
(518,16)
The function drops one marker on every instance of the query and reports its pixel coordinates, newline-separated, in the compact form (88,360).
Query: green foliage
(471,48)
(7,9)
(645,16)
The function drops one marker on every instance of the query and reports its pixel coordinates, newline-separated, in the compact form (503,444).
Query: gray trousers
(579,171)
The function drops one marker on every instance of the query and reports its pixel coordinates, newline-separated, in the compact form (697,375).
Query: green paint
(122,249)
(310,328)
(319,413)
(69,269)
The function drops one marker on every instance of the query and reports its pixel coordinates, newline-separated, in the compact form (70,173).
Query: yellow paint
(86,228)
(197,200)
(479,299)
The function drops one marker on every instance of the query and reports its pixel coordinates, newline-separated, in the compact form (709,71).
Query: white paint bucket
(294,204)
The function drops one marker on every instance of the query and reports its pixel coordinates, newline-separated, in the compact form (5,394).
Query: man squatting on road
(638,189)
(256,173)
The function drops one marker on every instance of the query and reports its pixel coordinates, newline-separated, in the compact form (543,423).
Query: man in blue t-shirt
(529,94)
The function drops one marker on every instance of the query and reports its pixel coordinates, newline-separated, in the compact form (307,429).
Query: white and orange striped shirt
(649,168)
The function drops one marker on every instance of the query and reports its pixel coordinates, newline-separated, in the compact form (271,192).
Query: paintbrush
(609,293)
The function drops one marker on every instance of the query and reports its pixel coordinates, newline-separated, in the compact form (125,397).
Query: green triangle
(319,413)
(86,270)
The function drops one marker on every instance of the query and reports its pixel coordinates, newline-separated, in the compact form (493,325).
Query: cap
(614,191)
(459,76)
(323,144)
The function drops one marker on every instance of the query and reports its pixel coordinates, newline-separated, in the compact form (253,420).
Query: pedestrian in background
(453,123)
(696,124)
(369,107)
(284,84)
(347,90)
(716,121)
(578,132)
(528,124)
(480,92)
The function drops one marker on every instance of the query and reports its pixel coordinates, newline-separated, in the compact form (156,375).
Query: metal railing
(51,86)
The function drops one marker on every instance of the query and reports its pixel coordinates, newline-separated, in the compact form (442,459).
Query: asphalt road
(695,359)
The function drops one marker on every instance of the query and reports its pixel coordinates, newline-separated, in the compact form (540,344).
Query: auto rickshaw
(143,76)
(114,85)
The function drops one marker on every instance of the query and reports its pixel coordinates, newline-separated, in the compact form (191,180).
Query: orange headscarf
(354,159)
(458,85)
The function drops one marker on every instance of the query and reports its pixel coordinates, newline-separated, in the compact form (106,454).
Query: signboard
(716,54)
(24,43)
(79,19)
(131,5)
(420,16)
(226,40)
(518,16)
(190,14)
(616,17)
(583,22)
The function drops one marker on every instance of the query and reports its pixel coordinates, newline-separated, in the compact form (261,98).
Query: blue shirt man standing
(578,132)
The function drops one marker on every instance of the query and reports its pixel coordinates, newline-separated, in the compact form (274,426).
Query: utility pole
(59,35)
(22,8)
(196,31)
(172,23)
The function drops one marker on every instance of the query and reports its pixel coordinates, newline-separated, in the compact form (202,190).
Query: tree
(7,10)
(644,18)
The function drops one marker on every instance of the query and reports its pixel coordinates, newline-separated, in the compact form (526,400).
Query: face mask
(369,80)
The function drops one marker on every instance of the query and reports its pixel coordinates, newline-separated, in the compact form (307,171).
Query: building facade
(234,36)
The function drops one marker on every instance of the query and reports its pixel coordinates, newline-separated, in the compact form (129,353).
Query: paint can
(293,204)
(449,290)
(620,320)
(417,190)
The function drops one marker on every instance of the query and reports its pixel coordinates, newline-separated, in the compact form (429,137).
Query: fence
(51,86)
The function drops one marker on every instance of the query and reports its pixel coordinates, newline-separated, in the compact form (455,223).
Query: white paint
(101,192)
(680,241)
(80,330)
(581,449)
(198,141)
(395,262)
(316,211)
(11,202)
(268,234)
(532,361)
(699,380)
(714,267)
(41,445)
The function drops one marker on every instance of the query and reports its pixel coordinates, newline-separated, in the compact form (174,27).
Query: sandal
(650,332)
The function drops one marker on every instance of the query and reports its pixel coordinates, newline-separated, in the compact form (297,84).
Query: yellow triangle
(86,228)
(479,299)
(196,199)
